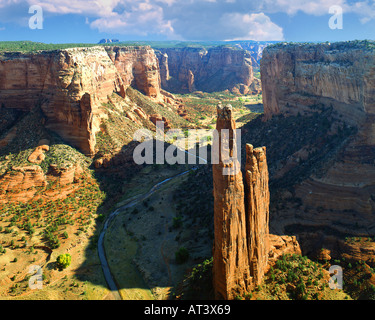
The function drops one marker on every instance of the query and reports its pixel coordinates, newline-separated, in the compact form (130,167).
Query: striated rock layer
(70,85)
(307,78)
(297,77)
(212,69)
(242,244)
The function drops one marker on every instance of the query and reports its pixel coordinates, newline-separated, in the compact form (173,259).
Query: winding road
(101,250)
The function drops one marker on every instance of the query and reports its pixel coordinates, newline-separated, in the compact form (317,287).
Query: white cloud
(314,7)
(364,9)
(140,18)
(255,26)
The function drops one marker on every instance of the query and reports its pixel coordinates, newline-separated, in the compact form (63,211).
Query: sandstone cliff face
(295,77)
(137,66)
(308,78)
(243,248)
(70,85)
(213,69)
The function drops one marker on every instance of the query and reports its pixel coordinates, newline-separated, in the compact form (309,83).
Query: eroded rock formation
(242,245)
(231,273)
(70,85)
(258,200)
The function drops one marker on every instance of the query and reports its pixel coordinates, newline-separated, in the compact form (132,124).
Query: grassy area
(121,249)
(201,106)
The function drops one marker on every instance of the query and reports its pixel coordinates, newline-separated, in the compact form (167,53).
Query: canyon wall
(307,78)
(70,85)
(213,69)
(297,77)
(255,48)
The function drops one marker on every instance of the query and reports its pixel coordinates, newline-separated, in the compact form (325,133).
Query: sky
(88,21)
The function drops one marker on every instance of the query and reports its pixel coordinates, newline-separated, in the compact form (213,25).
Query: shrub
(182,255)
(63,260)
(177,222)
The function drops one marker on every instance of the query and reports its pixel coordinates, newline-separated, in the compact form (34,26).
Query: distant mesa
(108,41)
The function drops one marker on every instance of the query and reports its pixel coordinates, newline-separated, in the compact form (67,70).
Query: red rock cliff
(70,85)
(296,77)
(138,66)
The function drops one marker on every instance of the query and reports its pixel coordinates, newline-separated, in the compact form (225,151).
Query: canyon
(255,48)
(209,69)
(68,117)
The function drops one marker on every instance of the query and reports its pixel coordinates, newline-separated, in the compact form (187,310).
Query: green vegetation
(198,282)
(182,255)
(52,217)
(63,260)
(201,106)
(295,277)
(341,45)
(30,46)
(256,72)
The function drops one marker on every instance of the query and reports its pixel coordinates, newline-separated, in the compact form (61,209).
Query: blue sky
(88,21)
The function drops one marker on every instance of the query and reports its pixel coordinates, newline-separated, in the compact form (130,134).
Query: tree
(63,260)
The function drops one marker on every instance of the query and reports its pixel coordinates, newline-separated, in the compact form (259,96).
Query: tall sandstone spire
(257,211)
(230,255)
(241,246)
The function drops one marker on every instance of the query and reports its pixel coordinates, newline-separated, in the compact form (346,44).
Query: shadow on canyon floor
(123,181)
